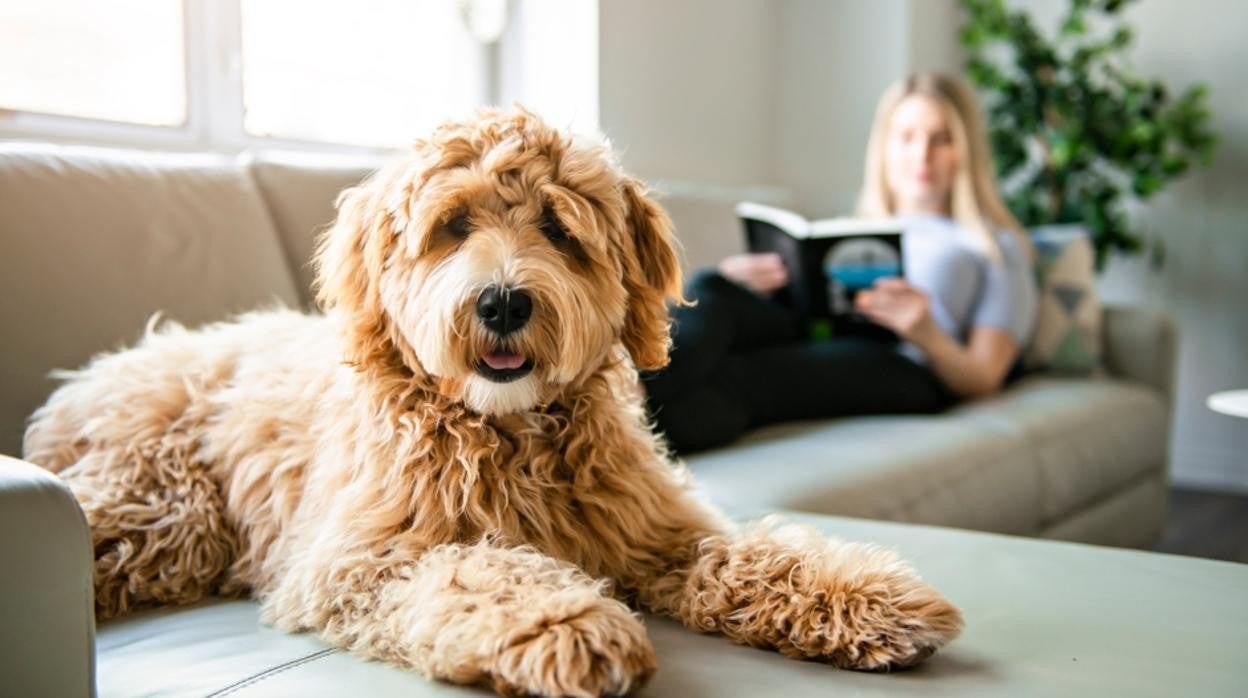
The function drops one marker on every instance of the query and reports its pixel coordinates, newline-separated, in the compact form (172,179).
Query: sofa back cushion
(300,193)
(93,242)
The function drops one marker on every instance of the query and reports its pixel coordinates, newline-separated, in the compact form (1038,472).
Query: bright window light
(552,66)
(366,72)
(120,60)
(314,75)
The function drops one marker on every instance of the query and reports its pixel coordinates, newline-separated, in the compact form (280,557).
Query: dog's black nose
(504,310)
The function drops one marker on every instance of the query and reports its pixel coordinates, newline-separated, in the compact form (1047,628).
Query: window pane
(121,60)
(369,72)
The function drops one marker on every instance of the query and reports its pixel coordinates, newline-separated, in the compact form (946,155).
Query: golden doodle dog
(451,470)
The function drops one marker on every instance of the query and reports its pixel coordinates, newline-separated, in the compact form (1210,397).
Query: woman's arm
(977,368)
(973,369)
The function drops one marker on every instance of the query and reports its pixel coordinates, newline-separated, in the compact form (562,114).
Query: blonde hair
(975,201)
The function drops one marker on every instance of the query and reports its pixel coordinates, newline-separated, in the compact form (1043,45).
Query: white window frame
(214,99)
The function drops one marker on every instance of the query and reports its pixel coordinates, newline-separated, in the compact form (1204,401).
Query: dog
(450,469)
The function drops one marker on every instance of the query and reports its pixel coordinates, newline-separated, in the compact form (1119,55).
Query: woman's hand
(973,369)
(900,307)
(762,273)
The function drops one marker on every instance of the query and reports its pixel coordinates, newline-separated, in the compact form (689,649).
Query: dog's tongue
(503,360)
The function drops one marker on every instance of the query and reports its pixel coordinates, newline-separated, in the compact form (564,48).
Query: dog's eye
(552,228)
(458,226)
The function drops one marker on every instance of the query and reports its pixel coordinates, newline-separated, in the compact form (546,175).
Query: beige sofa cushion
(707,227)
(1044,449)
(300,193)
(94,241)
(1089,437)
(943,469)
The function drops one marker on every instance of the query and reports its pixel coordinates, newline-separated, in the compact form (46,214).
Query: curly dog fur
(367,479)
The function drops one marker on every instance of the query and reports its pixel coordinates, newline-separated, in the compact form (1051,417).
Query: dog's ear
(348,261)
(652,277)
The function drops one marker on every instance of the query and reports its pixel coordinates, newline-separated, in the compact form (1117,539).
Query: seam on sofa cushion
(1158,472)
(247,162)
(239,685)
(907,507)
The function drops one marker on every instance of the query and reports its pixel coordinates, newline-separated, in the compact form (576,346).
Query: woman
(964,310)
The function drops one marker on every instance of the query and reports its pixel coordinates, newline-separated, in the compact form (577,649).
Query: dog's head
(502,259)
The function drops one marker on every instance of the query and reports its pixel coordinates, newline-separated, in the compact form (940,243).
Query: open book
(829,262)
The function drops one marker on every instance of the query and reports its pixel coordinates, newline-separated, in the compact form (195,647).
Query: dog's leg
(514,619)
(792,589)
(157,524)
(125,434)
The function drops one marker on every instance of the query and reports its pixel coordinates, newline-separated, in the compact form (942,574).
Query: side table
(1232,402)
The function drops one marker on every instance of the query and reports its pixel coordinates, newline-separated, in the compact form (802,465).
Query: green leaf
(1061,150)
(984,74)
(1122,38)
(1143,132)
(1146,184)
(1074,26)
(1173,166)
(971,36)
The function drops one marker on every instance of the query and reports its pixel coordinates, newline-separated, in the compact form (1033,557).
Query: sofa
(94,241)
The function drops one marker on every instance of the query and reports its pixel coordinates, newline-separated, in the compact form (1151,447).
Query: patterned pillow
(1067,336)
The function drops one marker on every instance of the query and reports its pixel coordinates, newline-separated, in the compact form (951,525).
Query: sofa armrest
(47,611)
(1141,345)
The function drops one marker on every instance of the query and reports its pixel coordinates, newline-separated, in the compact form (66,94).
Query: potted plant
(1075,131)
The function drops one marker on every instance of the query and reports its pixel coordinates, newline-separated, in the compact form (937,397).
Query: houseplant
(1076,132)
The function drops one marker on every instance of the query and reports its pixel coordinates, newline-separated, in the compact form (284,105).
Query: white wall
(835,59)
(687,87)
(933,30)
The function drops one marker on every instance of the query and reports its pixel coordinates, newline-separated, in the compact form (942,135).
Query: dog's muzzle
(503,311)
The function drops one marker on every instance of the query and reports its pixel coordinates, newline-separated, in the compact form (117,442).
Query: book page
(832,227)
(792,223)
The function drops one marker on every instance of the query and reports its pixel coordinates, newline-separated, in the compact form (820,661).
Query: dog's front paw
(893,625)
(870,612)
(600,649)
(852,605)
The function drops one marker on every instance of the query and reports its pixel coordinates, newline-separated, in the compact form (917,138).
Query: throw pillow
(1067,335)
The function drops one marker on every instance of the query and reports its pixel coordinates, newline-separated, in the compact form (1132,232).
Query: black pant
(740,361)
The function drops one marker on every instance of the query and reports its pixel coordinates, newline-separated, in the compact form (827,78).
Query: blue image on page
(855,264)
